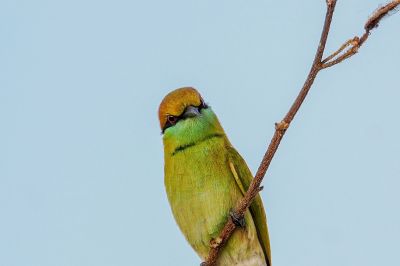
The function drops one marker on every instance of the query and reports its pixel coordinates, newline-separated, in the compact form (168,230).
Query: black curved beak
(191,111)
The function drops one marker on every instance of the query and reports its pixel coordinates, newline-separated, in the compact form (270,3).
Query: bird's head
(185,118)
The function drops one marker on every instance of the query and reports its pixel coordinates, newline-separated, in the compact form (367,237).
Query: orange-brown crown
(175,102)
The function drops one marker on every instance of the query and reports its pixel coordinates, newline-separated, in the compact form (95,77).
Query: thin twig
(357,42)
(344,46)
(281,127)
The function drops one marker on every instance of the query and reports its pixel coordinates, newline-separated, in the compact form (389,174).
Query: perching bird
(204,178)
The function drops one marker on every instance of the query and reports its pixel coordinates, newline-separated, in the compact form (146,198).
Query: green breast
(202,190)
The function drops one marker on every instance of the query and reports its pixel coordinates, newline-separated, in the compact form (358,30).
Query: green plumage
(204,178)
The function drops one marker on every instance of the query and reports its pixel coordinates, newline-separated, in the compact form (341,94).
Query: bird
(204,178)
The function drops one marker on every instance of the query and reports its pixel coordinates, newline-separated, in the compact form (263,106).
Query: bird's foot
(238,220)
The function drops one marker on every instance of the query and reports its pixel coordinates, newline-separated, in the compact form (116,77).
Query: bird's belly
(202,191)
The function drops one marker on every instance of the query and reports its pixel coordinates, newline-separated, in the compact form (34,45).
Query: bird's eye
(172,119)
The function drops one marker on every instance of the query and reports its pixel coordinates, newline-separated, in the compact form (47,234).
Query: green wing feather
(243,177)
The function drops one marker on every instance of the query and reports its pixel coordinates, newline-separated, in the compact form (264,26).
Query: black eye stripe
(202,105)
(173,120)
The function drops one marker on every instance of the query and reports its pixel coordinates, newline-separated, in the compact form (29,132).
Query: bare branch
(281,127)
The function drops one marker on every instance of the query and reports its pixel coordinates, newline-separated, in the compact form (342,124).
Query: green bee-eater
(204,178)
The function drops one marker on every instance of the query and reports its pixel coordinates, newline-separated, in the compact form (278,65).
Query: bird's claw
(237,219)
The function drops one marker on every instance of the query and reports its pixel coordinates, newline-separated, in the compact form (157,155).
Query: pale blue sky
(81,167)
